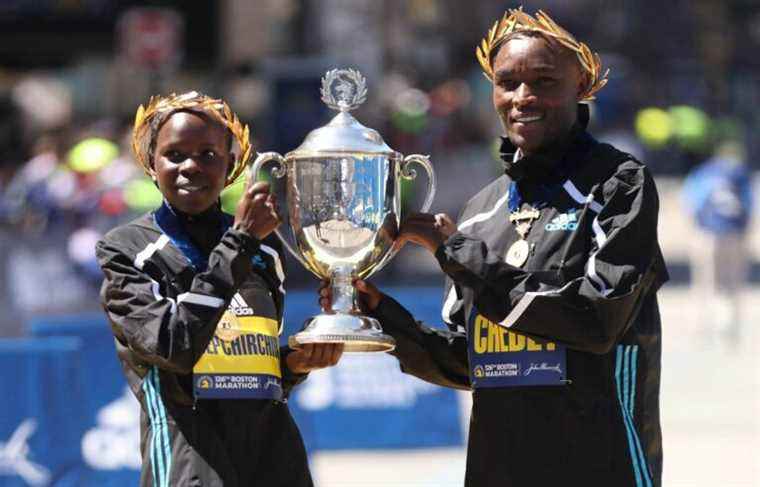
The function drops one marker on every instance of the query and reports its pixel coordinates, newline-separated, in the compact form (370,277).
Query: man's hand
(368,295)
(313,356)
(256,213)
(427,230)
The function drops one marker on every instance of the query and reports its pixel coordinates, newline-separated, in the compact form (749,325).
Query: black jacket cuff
(289,378)
(247,243)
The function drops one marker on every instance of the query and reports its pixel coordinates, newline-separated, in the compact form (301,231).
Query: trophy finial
(344,89)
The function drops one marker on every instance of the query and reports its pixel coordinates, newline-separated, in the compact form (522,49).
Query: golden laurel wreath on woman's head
(515,20)
(159,109)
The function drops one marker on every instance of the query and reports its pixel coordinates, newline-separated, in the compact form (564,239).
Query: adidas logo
(564,221)
(239,306)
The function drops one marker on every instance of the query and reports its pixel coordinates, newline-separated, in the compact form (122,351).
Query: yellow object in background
(92,155)
(654,127)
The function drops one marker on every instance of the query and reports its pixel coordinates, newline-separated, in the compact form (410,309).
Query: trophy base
(357,333)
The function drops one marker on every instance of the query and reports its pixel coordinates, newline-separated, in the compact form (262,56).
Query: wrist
(435,245)
(293,364)
(248,243)
(374,303)
(240,227)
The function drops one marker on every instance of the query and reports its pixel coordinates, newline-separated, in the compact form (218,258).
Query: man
(551,278)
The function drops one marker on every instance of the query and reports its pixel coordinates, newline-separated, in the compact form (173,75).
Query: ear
(152,173)
(582,82)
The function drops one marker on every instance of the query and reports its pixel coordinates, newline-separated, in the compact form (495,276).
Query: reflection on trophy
(343,199)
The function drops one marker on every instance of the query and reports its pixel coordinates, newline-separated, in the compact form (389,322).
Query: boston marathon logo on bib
(242,360)
(503,358)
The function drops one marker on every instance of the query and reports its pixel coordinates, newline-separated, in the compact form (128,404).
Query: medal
(228,327)
(519,251)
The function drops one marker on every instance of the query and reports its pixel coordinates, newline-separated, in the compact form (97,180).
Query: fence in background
(70,420)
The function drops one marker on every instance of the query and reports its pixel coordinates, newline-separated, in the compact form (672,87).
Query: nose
(189,166)
(523,96)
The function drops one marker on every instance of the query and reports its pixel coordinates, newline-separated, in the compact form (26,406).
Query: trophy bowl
(342,189)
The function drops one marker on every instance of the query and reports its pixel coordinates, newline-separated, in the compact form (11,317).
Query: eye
(209,155)
(174,156)
(508,84)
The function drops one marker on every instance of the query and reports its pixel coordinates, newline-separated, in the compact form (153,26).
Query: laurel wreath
(354,75)
(515,20)
(217,108)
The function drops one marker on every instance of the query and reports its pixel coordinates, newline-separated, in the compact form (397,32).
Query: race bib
(242,360)
(503,358)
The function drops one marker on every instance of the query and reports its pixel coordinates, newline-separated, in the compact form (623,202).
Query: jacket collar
(550,166)
(193,235)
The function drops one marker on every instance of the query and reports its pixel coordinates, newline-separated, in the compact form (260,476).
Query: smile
(528,119)
(191,187)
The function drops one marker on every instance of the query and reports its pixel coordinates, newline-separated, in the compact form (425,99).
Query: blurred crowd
(683,81)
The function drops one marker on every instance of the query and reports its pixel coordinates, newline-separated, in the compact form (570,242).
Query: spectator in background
(12,157)
(718,196)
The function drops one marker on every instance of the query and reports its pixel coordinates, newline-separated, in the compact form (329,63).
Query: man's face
(535,92)
(191,161)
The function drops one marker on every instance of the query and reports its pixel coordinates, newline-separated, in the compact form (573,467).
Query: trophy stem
(343,291)
(345,324)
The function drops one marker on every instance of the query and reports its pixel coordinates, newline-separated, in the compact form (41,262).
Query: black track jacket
(163,308)
(562,354)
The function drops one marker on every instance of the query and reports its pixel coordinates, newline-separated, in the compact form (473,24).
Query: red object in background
(112,203)
(151,37)
(448,97)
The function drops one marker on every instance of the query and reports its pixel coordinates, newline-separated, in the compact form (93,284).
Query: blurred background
(683,95)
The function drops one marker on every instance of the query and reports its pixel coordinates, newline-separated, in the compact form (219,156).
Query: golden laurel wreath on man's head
(164,106)
(515,20)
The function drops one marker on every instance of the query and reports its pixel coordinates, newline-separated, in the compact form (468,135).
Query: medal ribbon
(543,193)
(169,223)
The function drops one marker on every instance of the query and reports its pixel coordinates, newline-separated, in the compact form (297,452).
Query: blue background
(64,377)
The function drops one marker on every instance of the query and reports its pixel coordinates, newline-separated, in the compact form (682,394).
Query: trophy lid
(343,90)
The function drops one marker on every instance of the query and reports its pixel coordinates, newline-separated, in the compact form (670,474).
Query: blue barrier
(81,423)
(42,384)
(365,401)
(108,439)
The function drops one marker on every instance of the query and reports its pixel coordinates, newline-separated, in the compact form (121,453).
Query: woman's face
(191,161)
(535,92)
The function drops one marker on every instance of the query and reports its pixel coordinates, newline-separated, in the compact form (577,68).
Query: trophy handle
(411,174)
(278,171)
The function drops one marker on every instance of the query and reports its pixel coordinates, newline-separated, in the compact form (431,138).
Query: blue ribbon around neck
(169,223)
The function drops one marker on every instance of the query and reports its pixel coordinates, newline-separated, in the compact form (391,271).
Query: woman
(195,300)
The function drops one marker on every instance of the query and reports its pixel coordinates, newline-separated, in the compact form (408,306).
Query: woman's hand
(312,356)
(256,213)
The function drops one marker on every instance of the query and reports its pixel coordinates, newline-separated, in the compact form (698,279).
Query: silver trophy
(343,199)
